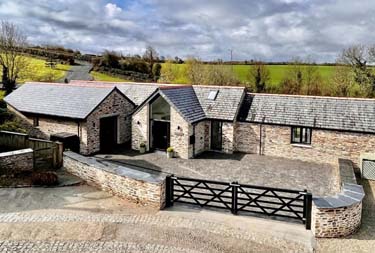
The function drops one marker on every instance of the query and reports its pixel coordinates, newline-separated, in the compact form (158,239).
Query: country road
(81,71)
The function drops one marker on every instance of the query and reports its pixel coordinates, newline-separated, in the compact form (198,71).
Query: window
(301,135)
(213,94)
(36,121)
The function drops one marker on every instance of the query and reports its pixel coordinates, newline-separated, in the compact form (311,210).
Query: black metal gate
(240,198)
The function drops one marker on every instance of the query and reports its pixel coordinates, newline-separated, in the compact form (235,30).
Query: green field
(242,72)
(37,71)
(105,77)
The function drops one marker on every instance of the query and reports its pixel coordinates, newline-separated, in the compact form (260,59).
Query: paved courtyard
(320,179)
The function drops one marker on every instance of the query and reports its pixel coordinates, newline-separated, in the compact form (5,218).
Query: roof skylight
(213,94)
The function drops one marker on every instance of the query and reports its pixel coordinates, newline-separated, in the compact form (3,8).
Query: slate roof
(317,112)
(137,92)
(184,100)
(226,104)
(57,99)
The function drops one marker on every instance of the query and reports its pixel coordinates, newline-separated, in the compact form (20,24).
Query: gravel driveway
(83,219)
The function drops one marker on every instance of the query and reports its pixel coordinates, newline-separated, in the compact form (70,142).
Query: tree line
(354,73)
(136,67)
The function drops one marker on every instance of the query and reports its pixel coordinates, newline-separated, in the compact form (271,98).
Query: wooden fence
(47,154)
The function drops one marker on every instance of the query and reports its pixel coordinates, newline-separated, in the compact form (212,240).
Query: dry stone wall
(339,215)
(18,161)
(138,186)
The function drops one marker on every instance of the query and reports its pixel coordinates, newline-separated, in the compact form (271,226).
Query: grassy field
(278,72)
(107,78)
(242,71)
(37,71)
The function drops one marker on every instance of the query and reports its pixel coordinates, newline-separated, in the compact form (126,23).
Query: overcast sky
(255,29)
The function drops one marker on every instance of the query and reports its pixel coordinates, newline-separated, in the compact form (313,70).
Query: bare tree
(358,57)
(313,81)
(168,72)
(12,44)
(293,80)
(219,75)
(151,56)
(259,76)
(371,52)
(194,71)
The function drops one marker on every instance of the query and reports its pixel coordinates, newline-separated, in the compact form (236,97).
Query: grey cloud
(269,29)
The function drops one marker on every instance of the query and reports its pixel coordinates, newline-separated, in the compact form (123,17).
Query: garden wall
(339,215)
(46,153)
(14,162)
(125,182)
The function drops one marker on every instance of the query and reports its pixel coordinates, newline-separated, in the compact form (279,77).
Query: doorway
(108,133)
(216,135)
(160,135)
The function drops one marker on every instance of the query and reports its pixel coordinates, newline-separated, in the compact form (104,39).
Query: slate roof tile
(317,112)
(57,99)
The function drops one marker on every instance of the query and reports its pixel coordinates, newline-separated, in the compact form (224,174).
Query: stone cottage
(99,116)
(194,119)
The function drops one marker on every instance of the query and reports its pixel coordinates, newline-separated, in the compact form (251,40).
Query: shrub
(170,149)
(142,145)
(44,178)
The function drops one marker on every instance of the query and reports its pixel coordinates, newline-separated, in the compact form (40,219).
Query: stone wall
(339,215)
(326,147)
(181,130)
(202,137)
(114,105)
(50,126)
(336,222)
(16,161)
(228,137)
(141,187)
(88,130)
(140,128)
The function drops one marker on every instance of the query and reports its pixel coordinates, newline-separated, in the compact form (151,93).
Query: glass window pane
(160,109)
(308,136)
(296,135)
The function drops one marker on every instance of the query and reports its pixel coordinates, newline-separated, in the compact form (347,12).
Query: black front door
(108,133)
(216,135)
(160,135)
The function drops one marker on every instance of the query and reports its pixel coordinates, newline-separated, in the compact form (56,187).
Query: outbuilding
(100,116)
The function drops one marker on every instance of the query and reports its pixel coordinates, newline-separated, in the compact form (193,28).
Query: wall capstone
(339,215)
(125,182)
(14,162)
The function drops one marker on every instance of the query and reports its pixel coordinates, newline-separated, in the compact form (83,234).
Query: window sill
(301,145)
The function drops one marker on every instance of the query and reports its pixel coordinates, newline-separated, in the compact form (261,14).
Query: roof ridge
(309,96)
(69,84)
(219,86)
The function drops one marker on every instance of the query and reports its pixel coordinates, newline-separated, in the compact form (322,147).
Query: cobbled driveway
(83,219)
(320,179)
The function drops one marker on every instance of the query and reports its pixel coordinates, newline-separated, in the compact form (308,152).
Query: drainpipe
(78,127)
(261,136)
(260,139)
(194,141)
